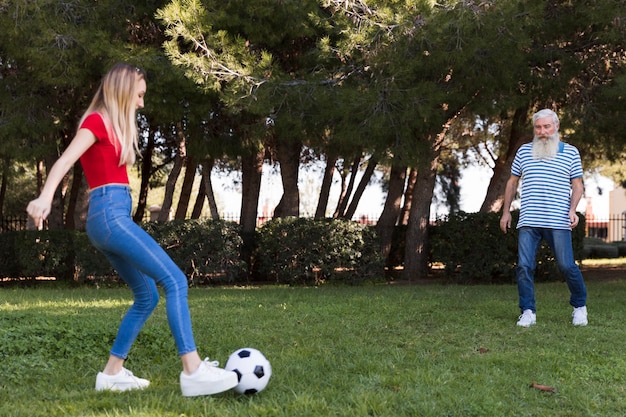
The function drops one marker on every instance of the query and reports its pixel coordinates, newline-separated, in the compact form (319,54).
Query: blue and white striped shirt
(546,186)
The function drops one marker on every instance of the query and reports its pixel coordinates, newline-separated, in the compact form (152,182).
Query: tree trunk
(342,191)
(40,176)
(391,211)
(327,182)
(520,134)
(416,245)
(185,191)
(76,217)
(56,216)
(146,171)
(197,207)
(251,173)
(408,197)
(170,185)
(70,215)
(40,181)
(345,193)
(288,155)
(251,170)
(207,167)
(3,190)
(360,189)
(6,163)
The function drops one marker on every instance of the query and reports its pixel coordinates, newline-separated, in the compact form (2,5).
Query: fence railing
(610,229)
(13,223)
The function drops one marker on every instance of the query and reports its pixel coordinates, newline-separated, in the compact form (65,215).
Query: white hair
(547,113)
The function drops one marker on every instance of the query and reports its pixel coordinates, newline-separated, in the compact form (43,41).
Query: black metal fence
(13,223)
(610,229)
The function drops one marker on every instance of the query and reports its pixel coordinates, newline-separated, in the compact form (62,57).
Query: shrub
(473,248)
(398,247)
(9,267)
(595,248)
(44,253)
(310,251)
(206,250)
(621,248)
(90,262)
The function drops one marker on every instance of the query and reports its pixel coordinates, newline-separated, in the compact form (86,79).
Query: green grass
(384,350)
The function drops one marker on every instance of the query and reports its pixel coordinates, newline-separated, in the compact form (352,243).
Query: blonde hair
(115,102)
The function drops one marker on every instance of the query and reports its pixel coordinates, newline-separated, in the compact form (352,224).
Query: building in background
(617,215)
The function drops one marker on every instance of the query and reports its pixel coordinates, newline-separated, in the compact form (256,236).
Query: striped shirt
(546,186)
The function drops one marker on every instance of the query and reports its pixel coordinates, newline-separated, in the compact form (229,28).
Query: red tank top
(101,161)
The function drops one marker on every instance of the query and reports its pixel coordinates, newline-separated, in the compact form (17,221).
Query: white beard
(545,149)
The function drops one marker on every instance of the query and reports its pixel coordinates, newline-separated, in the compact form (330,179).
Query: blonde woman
(105,143)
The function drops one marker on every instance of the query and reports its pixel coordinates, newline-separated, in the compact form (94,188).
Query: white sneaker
(579,316)
(123,381)
(208,379)
(527,319)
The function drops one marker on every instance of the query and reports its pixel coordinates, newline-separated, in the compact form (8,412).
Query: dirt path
(603,272)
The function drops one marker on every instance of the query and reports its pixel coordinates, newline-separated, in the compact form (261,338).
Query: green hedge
(90,262)
(472,248)
(296,251)
(595,248)
(66,255)
(621,248)
(45,253)
(9,266)
(207,251)
(309,251)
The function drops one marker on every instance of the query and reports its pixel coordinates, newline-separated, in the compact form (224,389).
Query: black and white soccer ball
(252,368)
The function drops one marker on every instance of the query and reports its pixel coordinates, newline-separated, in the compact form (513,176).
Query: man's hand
(573,219)
(509,193)
(505,221)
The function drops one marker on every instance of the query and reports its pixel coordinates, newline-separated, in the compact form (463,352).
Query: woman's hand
(38,210)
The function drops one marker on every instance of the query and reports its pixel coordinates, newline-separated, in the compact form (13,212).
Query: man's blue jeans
(142,264)
(561,243)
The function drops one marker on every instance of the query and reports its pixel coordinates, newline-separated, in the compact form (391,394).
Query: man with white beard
(552,185)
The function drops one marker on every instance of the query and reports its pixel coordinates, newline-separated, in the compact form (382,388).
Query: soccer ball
(252,368)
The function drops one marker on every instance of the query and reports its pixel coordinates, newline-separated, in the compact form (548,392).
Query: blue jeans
(142,264)
(561,243)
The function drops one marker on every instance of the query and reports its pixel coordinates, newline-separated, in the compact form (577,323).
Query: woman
(105,143)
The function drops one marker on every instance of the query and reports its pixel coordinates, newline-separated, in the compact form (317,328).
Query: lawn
(374,350)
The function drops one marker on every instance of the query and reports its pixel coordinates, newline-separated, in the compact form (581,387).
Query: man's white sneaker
(579,316)
(208,379)
(123,381)
(527,319)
